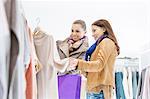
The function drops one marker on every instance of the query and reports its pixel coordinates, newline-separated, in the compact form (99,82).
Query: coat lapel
(64,48)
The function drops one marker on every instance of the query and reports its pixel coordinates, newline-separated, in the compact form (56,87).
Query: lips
(74,37)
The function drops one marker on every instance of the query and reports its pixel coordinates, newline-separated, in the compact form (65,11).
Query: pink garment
(29,86)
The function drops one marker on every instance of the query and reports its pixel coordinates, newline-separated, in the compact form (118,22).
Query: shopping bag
(83,87)
(69,86)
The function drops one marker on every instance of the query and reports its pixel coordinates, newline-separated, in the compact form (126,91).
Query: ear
(104,29)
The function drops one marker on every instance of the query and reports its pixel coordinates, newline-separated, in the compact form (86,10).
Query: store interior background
(130,20)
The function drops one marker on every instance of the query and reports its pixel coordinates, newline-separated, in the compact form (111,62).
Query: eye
(72,31)
(93,30)
(77,31)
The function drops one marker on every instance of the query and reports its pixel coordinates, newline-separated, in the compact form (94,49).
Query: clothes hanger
(37,28)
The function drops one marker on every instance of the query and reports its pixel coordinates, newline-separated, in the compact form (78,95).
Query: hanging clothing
(47,54)
(119,86)
(146,87)
(141,84)
(33,58)
(17,26)
(128,79)
(130,83)
(100,68)
(4,51)
(125,83)
(134,83)
(31,84)
(75,50)
(28,65)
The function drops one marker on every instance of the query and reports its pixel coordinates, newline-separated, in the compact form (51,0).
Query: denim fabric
(134,84)
(95,95)
(119,86)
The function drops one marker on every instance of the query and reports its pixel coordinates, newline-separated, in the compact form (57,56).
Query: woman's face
(77,32)
(97,31)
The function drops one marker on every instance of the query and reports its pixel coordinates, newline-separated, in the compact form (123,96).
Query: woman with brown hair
(99,61)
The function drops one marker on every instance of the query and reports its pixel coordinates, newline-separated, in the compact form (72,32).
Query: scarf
(75,45)
(93,47)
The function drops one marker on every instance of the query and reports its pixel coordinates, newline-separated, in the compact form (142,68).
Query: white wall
(129,19)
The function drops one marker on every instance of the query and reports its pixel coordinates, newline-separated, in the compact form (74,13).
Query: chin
(75,39)
(94,38)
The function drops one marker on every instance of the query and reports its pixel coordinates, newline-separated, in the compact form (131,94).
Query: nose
(93,34)
(73,33)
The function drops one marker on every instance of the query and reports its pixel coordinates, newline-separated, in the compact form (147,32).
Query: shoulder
(106,42)
(59,42)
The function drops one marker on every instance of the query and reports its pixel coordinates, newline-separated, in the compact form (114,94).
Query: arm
(105,49)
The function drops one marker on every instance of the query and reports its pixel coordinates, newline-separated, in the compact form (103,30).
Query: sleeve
(105,49)
(59,64)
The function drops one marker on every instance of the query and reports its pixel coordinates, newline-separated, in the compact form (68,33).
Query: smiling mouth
(75,37)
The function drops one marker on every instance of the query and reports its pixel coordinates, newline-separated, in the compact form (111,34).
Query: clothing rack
(127,62)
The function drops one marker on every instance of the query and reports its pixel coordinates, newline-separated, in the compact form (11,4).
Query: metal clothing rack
(127,62)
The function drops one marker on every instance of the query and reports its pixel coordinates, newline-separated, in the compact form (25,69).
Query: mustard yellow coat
(100,68)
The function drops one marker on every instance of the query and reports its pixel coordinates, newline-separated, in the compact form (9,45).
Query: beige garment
(63,48)
(101,67)
(81,47)
(48,56)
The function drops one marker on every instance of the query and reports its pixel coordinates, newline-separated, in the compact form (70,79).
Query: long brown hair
(104,23)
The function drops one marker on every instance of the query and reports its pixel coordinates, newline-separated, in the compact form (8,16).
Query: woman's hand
(72,64)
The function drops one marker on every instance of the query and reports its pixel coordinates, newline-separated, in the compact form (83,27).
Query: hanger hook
(37,21)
